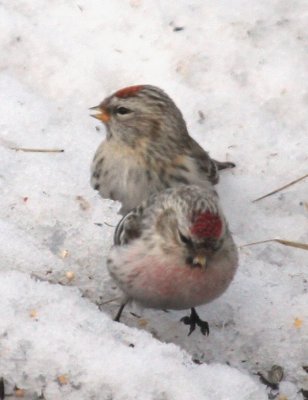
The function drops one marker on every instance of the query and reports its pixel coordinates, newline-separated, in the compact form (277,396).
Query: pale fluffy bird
(147,148)
(174,251)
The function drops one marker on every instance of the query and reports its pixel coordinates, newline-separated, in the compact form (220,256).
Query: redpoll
(174,251)
(147,148)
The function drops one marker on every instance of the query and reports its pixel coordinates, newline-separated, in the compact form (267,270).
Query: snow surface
(238,71)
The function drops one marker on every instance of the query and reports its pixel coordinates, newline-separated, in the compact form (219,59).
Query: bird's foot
(194,320)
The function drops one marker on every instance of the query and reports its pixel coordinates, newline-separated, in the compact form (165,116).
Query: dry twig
(26,150)
(281,188)
(289,243)
(109,301)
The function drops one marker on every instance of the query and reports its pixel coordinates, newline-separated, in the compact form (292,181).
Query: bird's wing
(129,227)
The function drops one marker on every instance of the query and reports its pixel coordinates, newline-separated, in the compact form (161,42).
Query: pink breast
(176,287)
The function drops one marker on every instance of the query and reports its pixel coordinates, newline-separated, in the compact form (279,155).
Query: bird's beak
(102,114)
(199,261)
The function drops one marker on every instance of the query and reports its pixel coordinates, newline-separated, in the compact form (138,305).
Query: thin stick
(281,188)
(37,150)
(289,243)
(109,301)
(112,226)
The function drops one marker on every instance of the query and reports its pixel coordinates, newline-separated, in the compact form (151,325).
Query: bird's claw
(194,320)
(204,327)
(187,321)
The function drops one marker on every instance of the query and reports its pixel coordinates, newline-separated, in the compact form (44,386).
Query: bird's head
(202,237)
(139,111)
(191,226)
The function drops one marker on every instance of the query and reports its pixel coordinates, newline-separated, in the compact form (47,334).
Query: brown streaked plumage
(147,148)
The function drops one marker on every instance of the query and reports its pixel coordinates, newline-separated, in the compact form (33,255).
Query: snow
(69,336)
(244,67)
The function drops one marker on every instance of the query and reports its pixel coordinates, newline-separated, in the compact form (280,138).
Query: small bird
(147,148)
(174,251)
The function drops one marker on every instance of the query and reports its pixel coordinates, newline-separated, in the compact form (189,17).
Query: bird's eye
(184,239)
(122,110)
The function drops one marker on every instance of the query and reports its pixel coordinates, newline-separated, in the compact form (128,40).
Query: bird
(147,148)
(174,251)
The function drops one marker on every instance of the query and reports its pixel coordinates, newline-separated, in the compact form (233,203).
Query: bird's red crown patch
(207,225)
(128,91)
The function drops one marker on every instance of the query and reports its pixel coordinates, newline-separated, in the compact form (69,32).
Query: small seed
(275,375)
(20,392)
(33,314)
(63,379)
(70,275)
